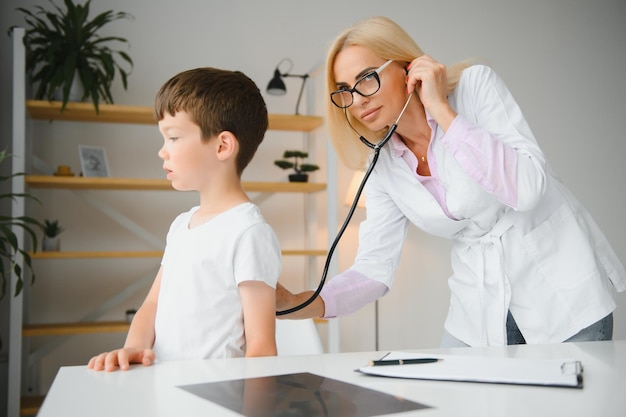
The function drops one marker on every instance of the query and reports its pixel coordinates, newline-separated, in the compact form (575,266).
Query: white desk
(153,391)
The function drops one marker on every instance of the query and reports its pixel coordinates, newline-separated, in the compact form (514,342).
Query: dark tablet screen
(301,394)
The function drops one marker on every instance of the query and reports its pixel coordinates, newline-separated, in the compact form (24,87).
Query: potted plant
(9,245)
(63,45)
(301,169)
(130,314)
(51,231)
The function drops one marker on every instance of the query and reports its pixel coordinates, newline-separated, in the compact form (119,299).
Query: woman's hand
(286,300)
(429,79)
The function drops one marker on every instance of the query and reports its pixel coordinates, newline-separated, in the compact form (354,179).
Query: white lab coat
(549,263)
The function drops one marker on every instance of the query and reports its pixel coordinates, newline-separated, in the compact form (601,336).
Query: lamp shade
(276,86)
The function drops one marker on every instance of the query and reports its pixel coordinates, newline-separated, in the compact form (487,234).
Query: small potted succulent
(300,169)
(130,314)
(63,48)
(51,231)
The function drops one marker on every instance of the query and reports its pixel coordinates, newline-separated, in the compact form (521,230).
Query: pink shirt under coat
(497,172)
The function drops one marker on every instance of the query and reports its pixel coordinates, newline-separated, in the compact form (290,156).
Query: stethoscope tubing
(376,147)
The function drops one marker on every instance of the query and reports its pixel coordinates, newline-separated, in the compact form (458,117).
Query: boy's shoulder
(240,216)
(243,215)
(185,216)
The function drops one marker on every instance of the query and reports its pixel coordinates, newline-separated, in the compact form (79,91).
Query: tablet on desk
(300,394)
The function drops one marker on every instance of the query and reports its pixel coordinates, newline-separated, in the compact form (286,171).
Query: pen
(403,361)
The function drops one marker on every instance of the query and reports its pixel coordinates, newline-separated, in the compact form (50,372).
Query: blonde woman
(529,263)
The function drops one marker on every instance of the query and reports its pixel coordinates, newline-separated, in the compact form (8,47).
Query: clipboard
(495,370)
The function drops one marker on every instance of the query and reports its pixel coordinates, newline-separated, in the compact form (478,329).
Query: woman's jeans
(600,330)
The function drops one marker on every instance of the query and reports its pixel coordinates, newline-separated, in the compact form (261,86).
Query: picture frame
(93,161)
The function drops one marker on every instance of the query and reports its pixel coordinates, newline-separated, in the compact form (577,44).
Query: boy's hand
(122,358)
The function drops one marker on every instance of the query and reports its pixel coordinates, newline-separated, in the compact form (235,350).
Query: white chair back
(297,337)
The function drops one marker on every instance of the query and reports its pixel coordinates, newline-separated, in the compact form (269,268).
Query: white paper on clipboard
(464,368)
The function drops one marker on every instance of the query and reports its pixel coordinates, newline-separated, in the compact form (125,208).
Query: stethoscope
(376,148)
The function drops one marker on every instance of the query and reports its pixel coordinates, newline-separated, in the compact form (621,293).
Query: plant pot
(130,314)
(51,244)
(298,177)
(76,91)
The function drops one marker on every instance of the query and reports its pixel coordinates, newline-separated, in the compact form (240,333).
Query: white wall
(564,60)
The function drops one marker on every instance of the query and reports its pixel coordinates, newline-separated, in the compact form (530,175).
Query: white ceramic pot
(51,244)
(76,91)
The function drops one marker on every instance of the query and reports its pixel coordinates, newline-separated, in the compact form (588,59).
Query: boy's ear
(227,145)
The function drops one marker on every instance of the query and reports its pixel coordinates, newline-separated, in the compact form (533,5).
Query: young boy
(213,296)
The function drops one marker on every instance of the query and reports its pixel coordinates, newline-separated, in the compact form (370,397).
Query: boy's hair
(218,100)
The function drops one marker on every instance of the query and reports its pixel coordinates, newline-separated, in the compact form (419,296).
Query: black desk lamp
(276,86)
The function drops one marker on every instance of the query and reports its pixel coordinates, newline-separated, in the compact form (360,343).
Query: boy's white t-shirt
(199,313)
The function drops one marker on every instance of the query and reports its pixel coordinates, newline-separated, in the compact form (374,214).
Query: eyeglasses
(366,86)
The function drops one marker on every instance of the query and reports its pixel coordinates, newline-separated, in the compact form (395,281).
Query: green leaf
(10,249)
(284,164)
(308,167)
(296,165)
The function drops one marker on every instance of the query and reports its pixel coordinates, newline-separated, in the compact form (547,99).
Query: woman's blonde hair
(387,40)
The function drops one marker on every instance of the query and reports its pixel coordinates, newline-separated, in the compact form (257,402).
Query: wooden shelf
(115,113)
(30,404)
(94,254)
(144,254)
(59,329)
(149,184)
(305,252)
(82,183)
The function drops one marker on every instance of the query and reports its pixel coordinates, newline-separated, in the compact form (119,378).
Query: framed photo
(93,161)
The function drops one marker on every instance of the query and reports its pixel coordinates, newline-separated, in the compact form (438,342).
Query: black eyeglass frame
(375,73)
